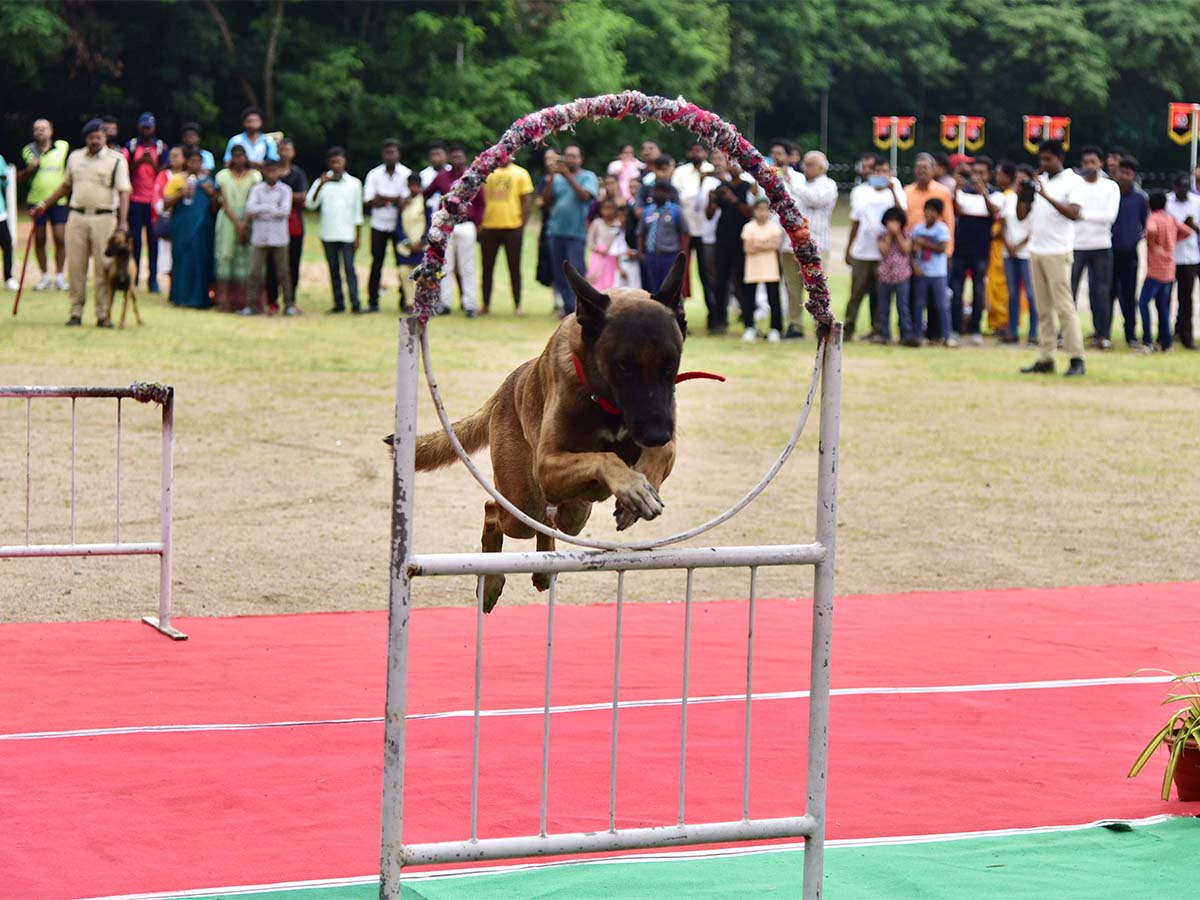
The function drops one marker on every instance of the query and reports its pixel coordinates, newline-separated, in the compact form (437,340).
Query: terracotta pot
(1187,772)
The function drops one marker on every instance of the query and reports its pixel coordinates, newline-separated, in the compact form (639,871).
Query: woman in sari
(191,198)
(233,230)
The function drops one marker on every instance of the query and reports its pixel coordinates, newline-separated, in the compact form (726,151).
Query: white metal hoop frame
(530,129)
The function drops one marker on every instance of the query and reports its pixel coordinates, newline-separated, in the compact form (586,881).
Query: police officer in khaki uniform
(94,175)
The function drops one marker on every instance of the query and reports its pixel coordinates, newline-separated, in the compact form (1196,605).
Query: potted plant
(1181,735)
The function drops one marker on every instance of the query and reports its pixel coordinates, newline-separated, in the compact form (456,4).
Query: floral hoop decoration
(708,127)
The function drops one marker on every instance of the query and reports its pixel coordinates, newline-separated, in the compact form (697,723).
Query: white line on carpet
(596,707)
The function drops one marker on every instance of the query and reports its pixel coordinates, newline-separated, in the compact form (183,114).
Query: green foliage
(356,71)
(1182,728)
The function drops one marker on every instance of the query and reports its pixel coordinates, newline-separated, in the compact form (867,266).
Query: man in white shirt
(1054,209)
(1099,200)
(439,161)
(688,180)
(1184,206)
(384,192)
(868,202)
(816,195)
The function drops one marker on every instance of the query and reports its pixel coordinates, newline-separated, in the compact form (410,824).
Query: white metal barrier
(143,393)
(405,566)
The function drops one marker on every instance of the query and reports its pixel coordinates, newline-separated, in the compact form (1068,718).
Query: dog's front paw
(638,499)
(625,517)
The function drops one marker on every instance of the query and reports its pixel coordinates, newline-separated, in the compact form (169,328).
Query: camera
(1027,192)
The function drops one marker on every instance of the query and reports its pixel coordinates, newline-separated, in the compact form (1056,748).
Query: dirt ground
(956,473)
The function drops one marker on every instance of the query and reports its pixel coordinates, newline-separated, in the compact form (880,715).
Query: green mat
(1090,864)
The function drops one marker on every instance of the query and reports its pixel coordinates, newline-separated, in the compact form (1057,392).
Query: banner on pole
(972,125)
(1047,128)
(1181,123)
(905,132)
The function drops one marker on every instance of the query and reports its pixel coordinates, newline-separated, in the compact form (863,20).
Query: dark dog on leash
(119,273)
(592,417)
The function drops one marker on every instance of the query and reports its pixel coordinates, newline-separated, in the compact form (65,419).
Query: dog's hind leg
(493,542)
(124,309)
(133,297)
(545,544)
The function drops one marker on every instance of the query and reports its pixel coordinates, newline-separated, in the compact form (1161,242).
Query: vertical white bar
(822,624)
(396,705)
(687,659)
(118,470)
(612,765)
(1195,125)
(895,143)
(546,711)
(475,721)
(749,695)
(167,513)
(28,457)
(962,135)
(72,470)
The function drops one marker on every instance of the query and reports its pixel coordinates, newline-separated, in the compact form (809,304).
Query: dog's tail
(434,450)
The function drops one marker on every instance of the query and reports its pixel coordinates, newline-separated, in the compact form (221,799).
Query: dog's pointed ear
(671,293)
(590,304)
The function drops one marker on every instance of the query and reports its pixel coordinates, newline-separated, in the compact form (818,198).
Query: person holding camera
(1015,182)
(567,197)
(730,200)
(1053,204)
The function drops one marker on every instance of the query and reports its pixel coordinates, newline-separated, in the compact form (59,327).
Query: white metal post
(399,609)
(822,624)
(162,621)
(1195,123)
(962,135)
(895,140)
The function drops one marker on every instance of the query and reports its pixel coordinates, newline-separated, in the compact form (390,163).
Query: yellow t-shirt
(503,191)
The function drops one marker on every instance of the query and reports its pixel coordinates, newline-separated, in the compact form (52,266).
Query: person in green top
(43,162)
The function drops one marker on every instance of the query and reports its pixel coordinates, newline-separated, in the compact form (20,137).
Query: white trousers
(460,261)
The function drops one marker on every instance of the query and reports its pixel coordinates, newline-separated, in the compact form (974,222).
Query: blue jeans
(341,253)
(883,309)
(930,289)
(958,279)
(1016,273)
(141,219)
(1160,293)
(569,249)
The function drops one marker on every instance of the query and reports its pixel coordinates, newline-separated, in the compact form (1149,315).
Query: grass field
(956,471)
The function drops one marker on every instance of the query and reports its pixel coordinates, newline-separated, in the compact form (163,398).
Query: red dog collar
(609,407)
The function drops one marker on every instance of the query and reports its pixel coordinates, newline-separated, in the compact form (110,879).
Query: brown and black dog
(592,417)
(119,274)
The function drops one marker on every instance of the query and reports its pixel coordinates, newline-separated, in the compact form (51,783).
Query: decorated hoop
(709,127)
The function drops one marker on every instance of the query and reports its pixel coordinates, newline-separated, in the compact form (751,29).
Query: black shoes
(104,323)
(793,333)
(1041,367)
(1075,369)
(74,322)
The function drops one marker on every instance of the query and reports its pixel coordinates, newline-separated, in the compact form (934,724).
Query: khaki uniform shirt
(96,180)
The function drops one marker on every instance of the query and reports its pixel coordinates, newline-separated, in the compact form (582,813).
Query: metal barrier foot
(173,633)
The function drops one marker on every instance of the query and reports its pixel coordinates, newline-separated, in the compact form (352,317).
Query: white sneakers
(773,336)
(46,283)
(750,335)
(11,284)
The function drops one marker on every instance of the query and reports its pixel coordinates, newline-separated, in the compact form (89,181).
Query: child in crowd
(760,240)
(411,228)
(895,271)
(268,208)
(1162,231)
(606,244)
(662,235)
(929,240)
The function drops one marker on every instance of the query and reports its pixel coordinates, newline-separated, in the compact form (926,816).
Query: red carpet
(144,812)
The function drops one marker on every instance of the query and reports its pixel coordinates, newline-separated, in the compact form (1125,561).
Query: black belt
(91,212)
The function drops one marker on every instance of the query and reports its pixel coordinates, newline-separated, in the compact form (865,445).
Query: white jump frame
(406,566)
(165,397)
